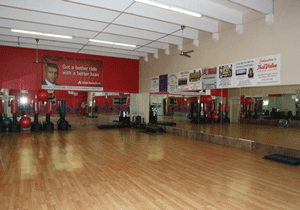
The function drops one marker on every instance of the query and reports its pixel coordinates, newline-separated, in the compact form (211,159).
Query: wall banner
(155,84)
(163,83)
(172,82)
(195,82)
(183,81)
(224,78)
(268,70)
(209,78)
(244,74)
(72,74)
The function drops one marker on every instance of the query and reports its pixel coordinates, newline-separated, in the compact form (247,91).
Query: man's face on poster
(51,74)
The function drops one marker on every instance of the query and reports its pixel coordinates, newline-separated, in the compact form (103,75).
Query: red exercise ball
(215,116)
(42,95)
(208,99)
(242,115)
(208,115)
(248,100)
(25,122)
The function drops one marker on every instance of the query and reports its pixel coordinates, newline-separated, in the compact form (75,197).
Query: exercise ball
(215,116)
(208,115)
(242,115)
(248,100)
(208,99)
(42,95)
(25,122)
(6,122)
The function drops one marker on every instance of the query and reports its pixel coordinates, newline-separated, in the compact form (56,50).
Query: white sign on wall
(244,74)
(172,82)
(195,79)
(209,78)
(183,81)
(155,84)
(224,76)
(268,70)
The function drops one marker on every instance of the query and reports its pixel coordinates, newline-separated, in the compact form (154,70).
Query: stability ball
(25,122)
(242,115)
(215,116)
(42,95)
(208,99)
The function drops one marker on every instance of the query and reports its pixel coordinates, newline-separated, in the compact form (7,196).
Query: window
(120,101)
(172,101)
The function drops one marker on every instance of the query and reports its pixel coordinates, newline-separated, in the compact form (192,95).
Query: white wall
(258,39)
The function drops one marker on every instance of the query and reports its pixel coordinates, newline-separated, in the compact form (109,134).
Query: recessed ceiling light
(41,34)
(174,9)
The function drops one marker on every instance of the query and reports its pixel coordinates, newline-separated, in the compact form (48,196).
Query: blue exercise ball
(6,122)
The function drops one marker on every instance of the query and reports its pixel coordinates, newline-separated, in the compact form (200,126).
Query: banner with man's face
(72,74)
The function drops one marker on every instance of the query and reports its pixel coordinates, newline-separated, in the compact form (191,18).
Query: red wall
(18,72)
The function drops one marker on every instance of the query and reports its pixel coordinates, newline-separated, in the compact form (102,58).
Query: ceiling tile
(132,32)
(13,24)
(51,43)
(91,52)
(113,50)
(111,4)
(146,24)
(64,8)
(44,18)
(173,17)
(121,39)
(147,50)
(43,47)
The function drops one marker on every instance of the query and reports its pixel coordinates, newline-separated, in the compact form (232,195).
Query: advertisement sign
(268,70)
(172,82)
(183,81)
(209,78)
(155,84)
(244,74)
(163,83)
(224,77)
(195,79)
(72,74)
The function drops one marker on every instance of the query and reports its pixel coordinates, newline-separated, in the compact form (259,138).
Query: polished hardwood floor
(286,137)
(128,169)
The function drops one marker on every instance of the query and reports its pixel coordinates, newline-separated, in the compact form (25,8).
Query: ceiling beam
(209,9)
(265,6)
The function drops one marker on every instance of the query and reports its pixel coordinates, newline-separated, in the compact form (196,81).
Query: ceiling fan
(185,53)
(37,53)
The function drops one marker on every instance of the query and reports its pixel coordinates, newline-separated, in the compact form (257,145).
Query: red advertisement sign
(72,74)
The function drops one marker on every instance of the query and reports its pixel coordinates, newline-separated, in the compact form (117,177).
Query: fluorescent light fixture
(174,9)
(126,45)
(113,43)
(154,4)
(27,32)
(58,36)
(41,34)
(100,41)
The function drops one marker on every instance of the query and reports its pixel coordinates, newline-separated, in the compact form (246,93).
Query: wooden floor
(127,169)
(286,137)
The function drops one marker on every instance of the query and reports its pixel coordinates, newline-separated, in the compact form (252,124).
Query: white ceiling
(123,21)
